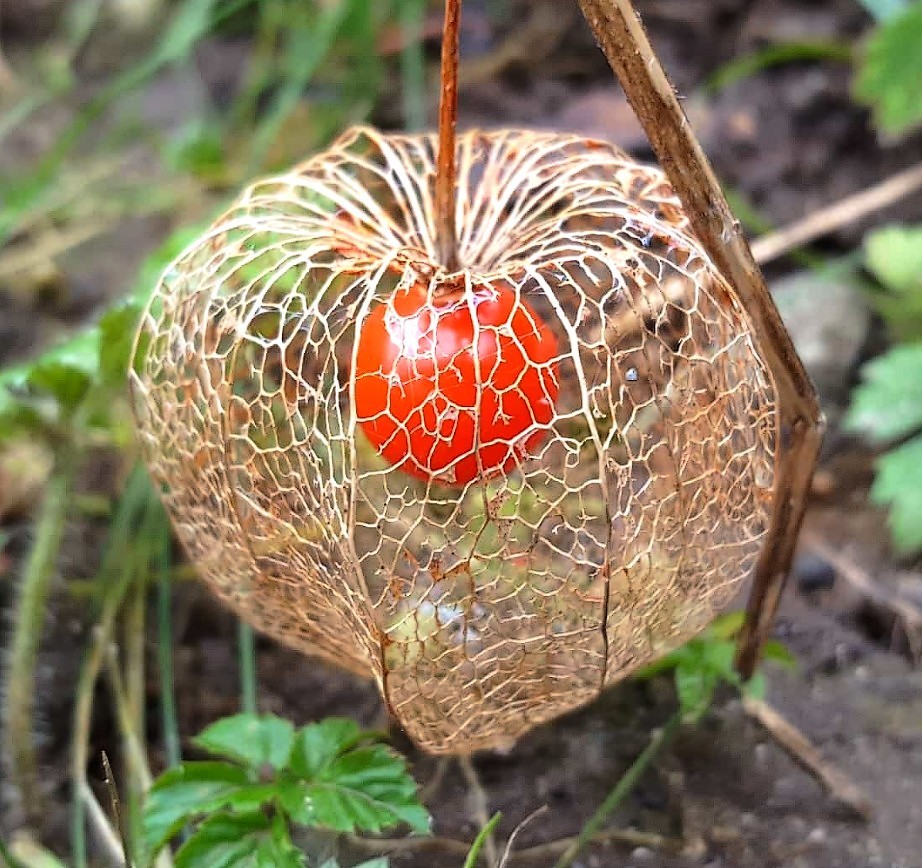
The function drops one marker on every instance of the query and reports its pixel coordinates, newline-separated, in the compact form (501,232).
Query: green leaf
(193,789)
(726,626)
(718,657)
(67,371)
(318,744)
(894,255)
(889,77)
(755,687)
(899,486)
(251,739)
(695,686)
(888,404)
(239,841)
(117,328)
(780,653)
(346,785)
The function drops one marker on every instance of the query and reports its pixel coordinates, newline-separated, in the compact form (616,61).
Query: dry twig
(808,757)
(848,210)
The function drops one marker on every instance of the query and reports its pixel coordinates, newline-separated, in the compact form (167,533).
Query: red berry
(443,408)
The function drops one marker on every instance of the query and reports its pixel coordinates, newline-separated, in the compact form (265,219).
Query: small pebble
(642,855)
(817,835)
(813,573)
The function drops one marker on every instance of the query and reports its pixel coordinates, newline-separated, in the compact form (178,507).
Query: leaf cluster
(887,405)
(701,665)
(329,775)
(889,76)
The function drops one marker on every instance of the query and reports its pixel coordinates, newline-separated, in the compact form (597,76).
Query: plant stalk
(31,607)
(246,654)
(168,715)
(621,790)
(446,231)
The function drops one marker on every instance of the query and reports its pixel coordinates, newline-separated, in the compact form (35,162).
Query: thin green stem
(794,51)
(116,573)
(31,606)
(621,790)
(168,715)
(481,840)
(134,632)
(246,650)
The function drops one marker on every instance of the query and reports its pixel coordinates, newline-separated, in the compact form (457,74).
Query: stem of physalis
(445,230)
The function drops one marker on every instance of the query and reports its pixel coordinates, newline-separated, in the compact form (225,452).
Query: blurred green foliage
(889,77)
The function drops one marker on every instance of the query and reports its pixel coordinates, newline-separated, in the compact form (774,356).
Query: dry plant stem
(630,55)
(848,210)
(507,851)
(446,232)
(115,807)
(481,808)
(805,754)
(108,838)
(628,837)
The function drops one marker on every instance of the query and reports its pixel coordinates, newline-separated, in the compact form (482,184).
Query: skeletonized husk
(484,610)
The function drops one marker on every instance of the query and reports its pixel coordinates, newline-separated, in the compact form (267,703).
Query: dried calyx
(495,500)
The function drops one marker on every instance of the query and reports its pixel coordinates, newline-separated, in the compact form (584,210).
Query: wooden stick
(848,210)
(807,756)
(799,429)
(446,232)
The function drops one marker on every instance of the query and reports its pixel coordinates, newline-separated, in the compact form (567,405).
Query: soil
(723,794)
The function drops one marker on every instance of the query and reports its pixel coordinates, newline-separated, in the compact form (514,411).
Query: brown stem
(630,55)
(445,229)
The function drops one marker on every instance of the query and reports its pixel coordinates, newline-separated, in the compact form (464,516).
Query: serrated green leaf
(238,841)
(899,486)
(889,77)
(318,744)
(347,785)
(193,789)
(251,739)
(888,403)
